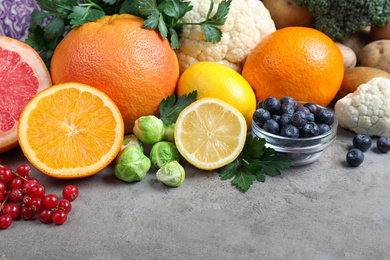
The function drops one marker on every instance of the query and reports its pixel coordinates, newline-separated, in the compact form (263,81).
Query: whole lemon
(211,79)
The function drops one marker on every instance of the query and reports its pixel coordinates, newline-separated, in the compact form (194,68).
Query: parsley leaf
(170,108)
(255,161)
(84,13)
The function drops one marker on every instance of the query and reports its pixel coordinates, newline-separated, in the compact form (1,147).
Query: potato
(349,56)
(356,76)
(288,13)
(357,40)
(376,54)
(381,32)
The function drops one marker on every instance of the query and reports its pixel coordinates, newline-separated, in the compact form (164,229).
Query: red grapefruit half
(22,75)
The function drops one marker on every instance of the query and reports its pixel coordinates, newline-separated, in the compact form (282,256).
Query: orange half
(70,130)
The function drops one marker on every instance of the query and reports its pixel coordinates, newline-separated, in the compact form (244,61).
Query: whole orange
(299,62)
(135,67)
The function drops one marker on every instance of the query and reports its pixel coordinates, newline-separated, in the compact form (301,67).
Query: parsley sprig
(162,15)
(171,107)
(255,161)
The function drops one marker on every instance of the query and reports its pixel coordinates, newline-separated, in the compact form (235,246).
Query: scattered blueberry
(271,126)
(325,116)
(362,142)
(355,157)
(324,128)
(285,119)
(287,108)
(310,130)
(261,115)
(272,104)
(299,118)
(289,131)
(383,144)
(312,107)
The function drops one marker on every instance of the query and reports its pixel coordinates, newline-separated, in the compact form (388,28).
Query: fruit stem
(3,203)
(16,173)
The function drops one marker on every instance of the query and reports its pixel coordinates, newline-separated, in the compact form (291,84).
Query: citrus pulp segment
(22,75)
(210,133)
(70,130)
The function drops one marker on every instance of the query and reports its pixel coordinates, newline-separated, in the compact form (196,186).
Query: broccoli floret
(340,18)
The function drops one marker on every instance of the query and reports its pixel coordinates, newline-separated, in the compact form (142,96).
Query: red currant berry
(16,195)
(37,191)
(50,201)
(16,183)
(6,174)
(26,212)
(12,209)
(24,170)
(28,185)
(3,187)
(45,215)
(59,217)
(70,192)
(26,199)
(36,204)
(5,221)
(66,205)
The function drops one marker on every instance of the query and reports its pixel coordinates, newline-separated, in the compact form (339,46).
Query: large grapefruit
(22,75)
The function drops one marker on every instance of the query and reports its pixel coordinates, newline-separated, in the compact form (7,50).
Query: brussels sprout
(171,174)
(169,133)
(163,152)
(131,164)
(149,129)
(132,140)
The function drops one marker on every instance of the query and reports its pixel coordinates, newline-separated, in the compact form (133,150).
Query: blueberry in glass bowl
(302,141)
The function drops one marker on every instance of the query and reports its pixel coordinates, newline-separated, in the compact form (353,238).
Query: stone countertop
(326,210)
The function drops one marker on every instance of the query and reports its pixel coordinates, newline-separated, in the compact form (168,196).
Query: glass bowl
(300,151)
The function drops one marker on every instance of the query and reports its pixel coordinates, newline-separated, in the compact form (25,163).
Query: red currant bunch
(23,196)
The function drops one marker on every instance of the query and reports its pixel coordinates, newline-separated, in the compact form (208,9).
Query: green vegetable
(253,163)
(162,15)
(149,129)
(171,174)
(132,140)
(339,18)
(131,164)
(163,152)
(170,108)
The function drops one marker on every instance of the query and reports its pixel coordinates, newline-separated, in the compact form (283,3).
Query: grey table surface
(326,210)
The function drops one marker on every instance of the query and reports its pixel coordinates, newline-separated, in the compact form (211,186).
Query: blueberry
(299,118)
(260,104)
(362,142)
(310,118)
(310,130)
(287,108)
(261,115)
(285,119)
(289,100)
(273,105)
(276,118)
(303,109)
(271,126)
(355,157)
(289,131)
(324,128)
(325,116)
(383,144)
(312,107)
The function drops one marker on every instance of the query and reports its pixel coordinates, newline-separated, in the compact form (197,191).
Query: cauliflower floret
(247,23)
(367,110)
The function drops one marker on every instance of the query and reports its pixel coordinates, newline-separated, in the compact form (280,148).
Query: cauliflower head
(247,23)
(367,110)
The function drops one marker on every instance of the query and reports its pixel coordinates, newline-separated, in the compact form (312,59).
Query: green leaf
(229,171)
(272,165)
(162,27)
(253,147)
(220,16)
(37,16)
(110,2)
(146,7)
(174,9)
(47,5)
(174,39)
(83,14)
(54,28)
(128,6)
(170,108)
(213,34)
(244,179)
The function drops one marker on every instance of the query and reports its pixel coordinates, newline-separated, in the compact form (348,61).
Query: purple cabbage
(15,17)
